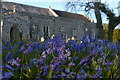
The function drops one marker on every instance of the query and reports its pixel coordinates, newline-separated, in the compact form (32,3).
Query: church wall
(14,20)
(56,25)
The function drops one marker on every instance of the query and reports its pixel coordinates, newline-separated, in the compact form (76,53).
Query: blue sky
(60,5)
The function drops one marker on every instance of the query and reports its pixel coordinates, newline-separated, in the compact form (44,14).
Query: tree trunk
(110,33)
(113,22)
(99,20)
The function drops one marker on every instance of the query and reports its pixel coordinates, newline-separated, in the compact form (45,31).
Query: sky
(60,5)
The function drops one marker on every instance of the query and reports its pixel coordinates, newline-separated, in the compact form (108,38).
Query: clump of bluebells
(56,58)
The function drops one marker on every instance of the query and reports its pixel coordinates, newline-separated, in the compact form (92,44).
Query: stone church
(29,22)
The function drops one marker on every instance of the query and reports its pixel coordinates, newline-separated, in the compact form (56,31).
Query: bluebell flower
(8,43)
(71,64)
(43,55)
(54,76)
(3,47)
(84,75)
(15,62)
(98,68)
(108,63)
(22,49)
(63,74)
(67,70)
(95,51)
(49,51)
(86,60)
(67,50)
(75,58)
(9,56)
(18,60)
(45,70)
(92,45)
(69,58)
(27,44)
(107,68)
(100,59)
(97,74)
(9,67)
(38,78)
(67,54)
(101,49)
(20,43)
(7,75)
(28,50)
(67,77)
(58,69)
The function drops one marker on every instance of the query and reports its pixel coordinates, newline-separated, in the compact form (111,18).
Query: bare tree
(88,5)
(98,7)
(113,20)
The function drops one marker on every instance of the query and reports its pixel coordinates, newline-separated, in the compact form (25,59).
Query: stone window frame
(46,31)
(36,31)
(74,32)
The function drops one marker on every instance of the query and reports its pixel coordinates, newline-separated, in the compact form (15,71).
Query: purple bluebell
(67,70)
(71,64)
(8,43)
(9,67)
(67,54)
(95,51)
(45,70)
(84,75)
(63,74)
(28,50)
(97,74)
(7,75)
(98,68)
(100,59)
(69,58)
(18,60)
(54,76)
(9,56)
(75,58)
(22,49)
(20,43)
(49,51)
(92,45)
(108,63)
(107,68)
(38,78)
(15,62)
(3,47)
(86,59)
(43,55)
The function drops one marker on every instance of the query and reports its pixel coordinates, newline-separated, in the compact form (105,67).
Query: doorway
(15,34)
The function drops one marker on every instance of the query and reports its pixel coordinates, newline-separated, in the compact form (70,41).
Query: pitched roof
(70,15)
(27,8)
(42,11)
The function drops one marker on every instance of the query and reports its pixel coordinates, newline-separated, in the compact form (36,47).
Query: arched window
(61,29)
(46,32)
(86,31)
(75,33)
(35,32)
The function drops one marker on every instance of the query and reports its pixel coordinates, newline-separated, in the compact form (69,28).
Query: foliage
(56,58)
